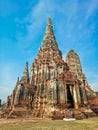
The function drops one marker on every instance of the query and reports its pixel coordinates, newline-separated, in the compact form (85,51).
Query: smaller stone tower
(73,61)
(21,92)
(25,76)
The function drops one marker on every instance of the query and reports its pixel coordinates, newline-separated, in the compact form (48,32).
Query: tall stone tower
(44,72)
(48,59)
(55,84)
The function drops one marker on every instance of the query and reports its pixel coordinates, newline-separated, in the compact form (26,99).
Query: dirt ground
(21,120)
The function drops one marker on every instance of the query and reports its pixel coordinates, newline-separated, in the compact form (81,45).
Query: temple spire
(49,38)
(25,76)
(17,80)
(49,27)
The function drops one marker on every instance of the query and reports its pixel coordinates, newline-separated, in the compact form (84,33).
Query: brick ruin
(54,85)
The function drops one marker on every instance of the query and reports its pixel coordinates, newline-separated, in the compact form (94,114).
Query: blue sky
(22,26)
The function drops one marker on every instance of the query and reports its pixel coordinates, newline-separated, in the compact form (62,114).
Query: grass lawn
(87,124)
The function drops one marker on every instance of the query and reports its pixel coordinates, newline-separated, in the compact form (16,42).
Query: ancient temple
(53,84)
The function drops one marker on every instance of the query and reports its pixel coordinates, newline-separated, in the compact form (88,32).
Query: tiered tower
(45,70)
(55,84)
(21,92)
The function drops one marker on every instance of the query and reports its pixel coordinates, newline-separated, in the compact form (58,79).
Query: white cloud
(93,5)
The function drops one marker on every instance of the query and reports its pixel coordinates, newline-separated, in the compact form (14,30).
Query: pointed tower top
(26,66)
(49,38)
(26,69)
(49,27)
(17,79)
(25,76)
(49,21)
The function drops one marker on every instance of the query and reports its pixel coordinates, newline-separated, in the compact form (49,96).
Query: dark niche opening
(70,100)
